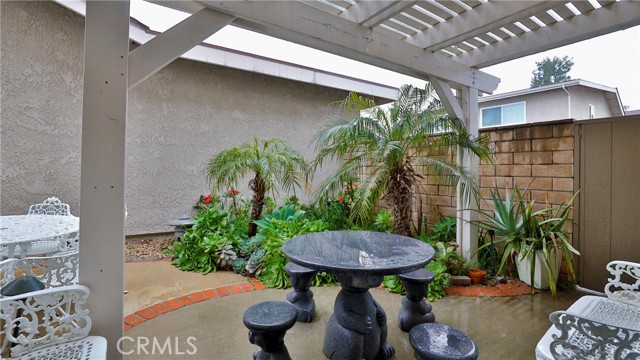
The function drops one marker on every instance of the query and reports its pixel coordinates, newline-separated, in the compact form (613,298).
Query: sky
(612,60)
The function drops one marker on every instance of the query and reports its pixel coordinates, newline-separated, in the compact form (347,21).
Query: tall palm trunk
(401,194)
(257,185)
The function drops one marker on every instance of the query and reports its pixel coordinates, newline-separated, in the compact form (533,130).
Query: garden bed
(147,249)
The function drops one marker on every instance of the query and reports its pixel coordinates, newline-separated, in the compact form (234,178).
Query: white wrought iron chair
(50,324)
(54,271)
(51,206)
(596,327)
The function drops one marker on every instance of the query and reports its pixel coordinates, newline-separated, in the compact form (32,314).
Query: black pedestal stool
(301,297)
(268,322)
(414,309)
(441,342)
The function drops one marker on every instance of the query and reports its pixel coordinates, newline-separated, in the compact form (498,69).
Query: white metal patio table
(23,230)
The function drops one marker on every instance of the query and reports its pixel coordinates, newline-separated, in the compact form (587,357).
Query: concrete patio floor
(502,327)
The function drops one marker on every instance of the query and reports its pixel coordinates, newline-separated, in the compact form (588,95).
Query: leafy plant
(383,222)
(324,279)
(436,288)
(387,145)
(506,223)
(208,244)
(446,254)
(440,282)
(283,224)
(545,234)
(524,231)
(443,231)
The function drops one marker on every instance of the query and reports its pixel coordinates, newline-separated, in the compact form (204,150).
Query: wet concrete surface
(502,327)
(151,282)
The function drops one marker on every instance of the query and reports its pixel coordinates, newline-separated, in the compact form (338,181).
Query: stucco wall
(177,119)
(581,97)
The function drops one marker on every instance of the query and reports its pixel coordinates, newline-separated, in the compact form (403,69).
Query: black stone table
(360,259)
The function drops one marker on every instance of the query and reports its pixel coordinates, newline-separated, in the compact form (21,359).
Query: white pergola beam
(372,13)
(152,56)
(616,16)
(480,20)
(315,28)
(102,169)
(446,95)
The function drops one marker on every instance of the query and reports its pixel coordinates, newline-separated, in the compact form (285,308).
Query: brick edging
(166,306)
(150,312)
(509,289)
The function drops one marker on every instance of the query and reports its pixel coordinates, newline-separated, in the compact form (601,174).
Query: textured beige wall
(41,78)
(177,119)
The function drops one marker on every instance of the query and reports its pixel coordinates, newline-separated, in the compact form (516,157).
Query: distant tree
(551,71)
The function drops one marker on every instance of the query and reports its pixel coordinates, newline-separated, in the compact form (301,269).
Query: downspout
(568,102)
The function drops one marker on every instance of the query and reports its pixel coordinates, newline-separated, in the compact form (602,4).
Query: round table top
(358,252)
(22,228)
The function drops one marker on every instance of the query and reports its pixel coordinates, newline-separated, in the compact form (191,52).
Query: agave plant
(505,222)
(528,233)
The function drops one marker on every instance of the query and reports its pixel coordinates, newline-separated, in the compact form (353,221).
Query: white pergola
(444,42)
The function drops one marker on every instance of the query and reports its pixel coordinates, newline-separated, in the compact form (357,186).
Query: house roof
(218,55)
(611,94)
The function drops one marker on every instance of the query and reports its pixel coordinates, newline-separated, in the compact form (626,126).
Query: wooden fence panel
(608,175)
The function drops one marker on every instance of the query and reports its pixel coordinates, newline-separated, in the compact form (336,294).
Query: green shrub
(436,288)
(274,229)
(443,231)
(383,222)
(209,243)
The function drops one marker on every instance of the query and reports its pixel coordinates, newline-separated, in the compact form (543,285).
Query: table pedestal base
(358,327)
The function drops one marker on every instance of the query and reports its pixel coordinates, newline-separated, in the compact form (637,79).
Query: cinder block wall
(534,156)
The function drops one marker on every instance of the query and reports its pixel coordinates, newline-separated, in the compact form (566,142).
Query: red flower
(233,192)
(340,198)
(207,199)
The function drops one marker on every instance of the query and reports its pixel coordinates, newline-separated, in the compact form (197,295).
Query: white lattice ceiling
(448,40)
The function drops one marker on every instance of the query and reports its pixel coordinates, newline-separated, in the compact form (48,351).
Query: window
(592,111)
(508,114)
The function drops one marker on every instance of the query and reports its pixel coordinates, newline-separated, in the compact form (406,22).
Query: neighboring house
(574,99)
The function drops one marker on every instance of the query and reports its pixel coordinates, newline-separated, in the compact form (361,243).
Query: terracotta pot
(477,275)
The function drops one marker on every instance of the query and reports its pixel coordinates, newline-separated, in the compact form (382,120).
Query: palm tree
(271,162)
(385,145)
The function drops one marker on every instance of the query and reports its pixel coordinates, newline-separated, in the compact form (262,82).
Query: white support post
(467,235)
(104,114)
